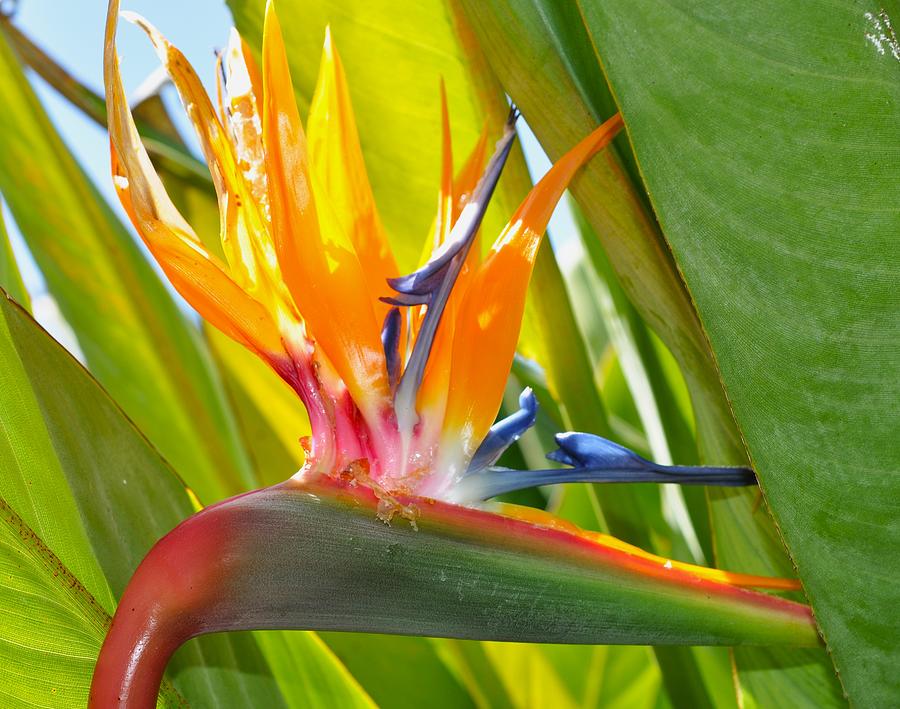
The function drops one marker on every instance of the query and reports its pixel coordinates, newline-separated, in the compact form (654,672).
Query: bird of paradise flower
(402,375)
(402,384)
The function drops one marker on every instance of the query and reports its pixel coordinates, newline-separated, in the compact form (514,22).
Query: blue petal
(598,460)
(506,432)
(588,450)
(427,280)
(390,340)
(404,299)
(432,284)
(429,277)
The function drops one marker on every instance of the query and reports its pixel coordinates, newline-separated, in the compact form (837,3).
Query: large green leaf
(10,278)
(769,136)
(96,493)
(270,414)
(398,672)
(49,570)
(51,667)
(554,36)
(135,340)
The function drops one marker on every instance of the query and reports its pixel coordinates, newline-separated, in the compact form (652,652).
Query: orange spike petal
(462,187)
(545,519)
(255,75)
(194,272)
(432,396)
(446,204)
(444,222)
(336,161)
(436,381)
(467,178)
(242,117)
(320,266)
(490,317)
(433,392)
(244,231)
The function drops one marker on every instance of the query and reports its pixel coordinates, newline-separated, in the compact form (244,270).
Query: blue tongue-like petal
(598,460)
(505,432)
(431,285)
(583,450)
(427,280)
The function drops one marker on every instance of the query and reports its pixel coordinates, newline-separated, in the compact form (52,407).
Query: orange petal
(193,271)
(435,384)
(546,519)
(468,176)
(432,395)
(242,116)
(255,75)
(490,317)
(336,161)
(320,265)
(444,221)
(245,234)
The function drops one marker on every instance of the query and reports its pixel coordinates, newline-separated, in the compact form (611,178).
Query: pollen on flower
(357,472)
(388,508)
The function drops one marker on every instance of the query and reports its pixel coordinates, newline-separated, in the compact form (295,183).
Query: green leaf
(475,669)
(554,36)
(33,481)
(135,340)
(769,139)
(10,278)
(51,667)
(527,43)
(531,679)
(271,416)
(398,672)
(97,494)
(48,568)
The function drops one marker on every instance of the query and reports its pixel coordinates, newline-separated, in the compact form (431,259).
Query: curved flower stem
(314,555)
